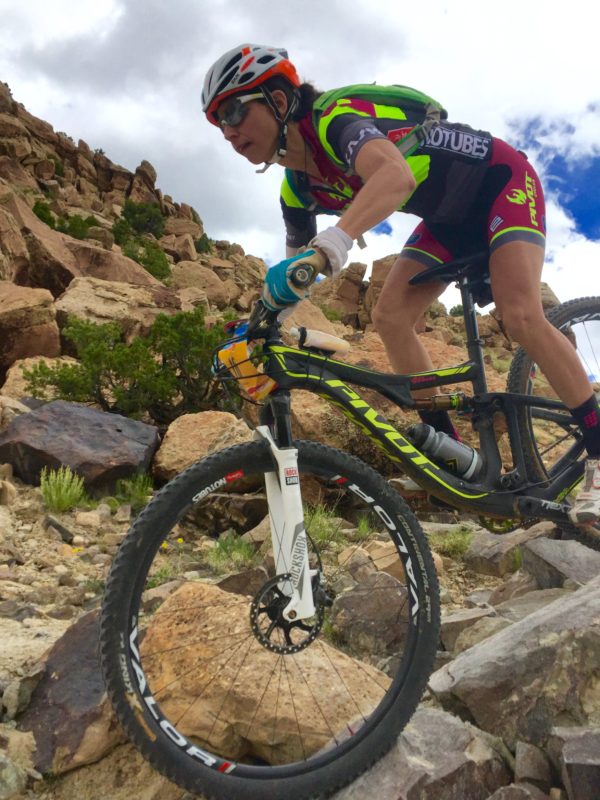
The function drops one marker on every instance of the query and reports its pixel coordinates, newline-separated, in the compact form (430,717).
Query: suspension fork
(286,514)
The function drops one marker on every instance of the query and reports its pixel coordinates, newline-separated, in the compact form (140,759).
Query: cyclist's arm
(388,181)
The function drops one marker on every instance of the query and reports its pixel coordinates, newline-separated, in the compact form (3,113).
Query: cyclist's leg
(515,270)
(400,307)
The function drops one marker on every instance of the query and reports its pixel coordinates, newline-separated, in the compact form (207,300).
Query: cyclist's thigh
(420,252)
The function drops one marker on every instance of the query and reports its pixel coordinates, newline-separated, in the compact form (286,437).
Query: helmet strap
(281,150)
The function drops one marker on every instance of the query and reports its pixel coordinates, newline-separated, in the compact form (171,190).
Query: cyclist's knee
(394,322)
(522,323)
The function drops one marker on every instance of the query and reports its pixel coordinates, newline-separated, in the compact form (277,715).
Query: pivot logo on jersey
(495,223)
(469,144)
(517,196)
(531,190)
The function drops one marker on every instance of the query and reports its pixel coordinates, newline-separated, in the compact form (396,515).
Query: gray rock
(490,554)
(520,607)
(518,584)
(534,674)
(373,616)
(532,766)
(454,624)
(100,447)
(575,753)
(437,757)
(12,778)
(69,713)
(519,791)
(554,562)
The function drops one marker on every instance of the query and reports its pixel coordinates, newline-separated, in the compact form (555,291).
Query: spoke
(202,640)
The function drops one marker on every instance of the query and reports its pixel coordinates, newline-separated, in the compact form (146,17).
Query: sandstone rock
(134,308)
(181,226)
(524,680)
(100,234)
(188,274)
(517,585)
(194,436)
(100,447)
(240,732)
(15,385)
(554,562)
(69,715)
(55,258)
(27,324)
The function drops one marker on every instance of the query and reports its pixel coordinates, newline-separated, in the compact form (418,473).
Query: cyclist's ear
(280,100)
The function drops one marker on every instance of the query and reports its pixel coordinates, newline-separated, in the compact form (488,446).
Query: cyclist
(471,190)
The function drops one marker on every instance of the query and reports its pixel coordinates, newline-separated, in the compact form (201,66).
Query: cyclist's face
(254,134)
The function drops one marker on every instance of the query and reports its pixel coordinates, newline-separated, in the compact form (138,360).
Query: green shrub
(122,231)
(231,553)
(75,225)
(144,217)
(42,210)
(164,375)
(135,491)
(62,489)
(203,244)
(456,311)
(149,255)
(453,542)
(59,169)
(331,314)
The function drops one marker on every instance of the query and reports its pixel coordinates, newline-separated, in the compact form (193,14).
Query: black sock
(440,420)
(587,416)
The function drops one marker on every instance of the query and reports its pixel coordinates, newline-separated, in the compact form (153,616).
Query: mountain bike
(296,670)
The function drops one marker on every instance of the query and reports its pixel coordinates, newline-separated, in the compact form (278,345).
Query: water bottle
(456,456)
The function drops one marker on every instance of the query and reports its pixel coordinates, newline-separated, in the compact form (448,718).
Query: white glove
(336,244)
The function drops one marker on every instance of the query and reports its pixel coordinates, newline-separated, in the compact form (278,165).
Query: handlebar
(262,317)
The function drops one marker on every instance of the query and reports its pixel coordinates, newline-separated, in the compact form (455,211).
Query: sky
(126,76)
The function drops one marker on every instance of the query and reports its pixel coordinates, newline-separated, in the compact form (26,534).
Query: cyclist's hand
(335,244)
(288,282)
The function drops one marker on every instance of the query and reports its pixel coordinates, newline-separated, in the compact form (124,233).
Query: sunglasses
(235,110)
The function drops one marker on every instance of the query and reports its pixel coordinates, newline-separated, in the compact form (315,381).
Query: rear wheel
(551,440)
(215,688)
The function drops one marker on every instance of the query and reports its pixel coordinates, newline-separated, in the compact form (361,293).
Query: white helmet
(245,67)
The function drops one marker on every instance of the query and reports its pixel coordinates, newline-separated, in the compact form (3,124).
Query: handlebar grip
(302,275)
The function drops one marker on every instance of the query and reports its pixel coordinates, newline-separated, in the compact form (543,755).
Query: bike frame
(493,494)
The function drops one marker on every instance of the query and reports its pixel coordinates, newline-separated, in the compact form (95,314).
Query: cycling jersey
(455,169)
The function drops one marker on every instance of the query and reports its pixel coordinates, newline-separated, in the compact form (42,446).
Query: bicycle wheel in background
(550,438)
(213,686)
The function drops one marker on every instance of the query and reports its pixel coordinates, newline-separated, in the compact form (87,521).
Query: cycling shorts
(509,207)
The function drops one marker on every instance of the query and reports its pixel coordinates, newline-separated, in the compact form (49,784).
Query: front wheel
(215,687)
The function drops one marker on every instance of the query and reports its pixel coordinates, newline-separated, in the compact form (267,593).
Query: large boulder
(133,307)
(533,675)
(188,274)
(27,324)
(194,436)
(98,446)
(54,258)
(69,713)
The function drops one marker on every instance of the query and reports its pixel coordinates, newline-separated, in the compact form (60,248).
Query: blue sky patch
(573,181)
(383,229)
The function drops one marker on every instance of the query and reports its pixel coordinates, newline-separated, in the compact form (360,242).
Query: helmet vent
(225,82)
(232,62)
(265,59)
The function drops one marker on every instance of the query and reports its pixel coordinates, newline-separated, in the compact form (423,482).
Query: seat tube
(474,342)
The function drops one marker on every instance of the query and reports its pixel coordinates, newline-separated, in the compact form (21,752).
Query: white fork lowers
(288,534)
